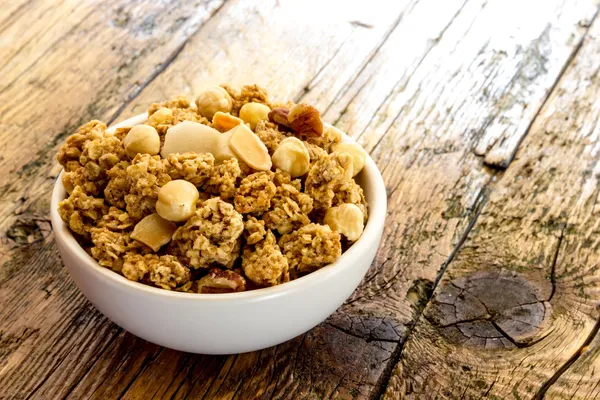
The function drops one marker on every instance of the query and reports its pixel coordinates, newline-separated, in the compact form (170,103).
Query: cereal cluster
(231,193)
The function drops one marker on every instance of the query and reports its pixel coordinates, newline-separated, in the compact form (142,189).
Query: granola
(270,195)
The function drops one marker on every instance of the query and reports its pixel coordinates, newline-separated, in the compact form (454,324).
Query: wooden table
(483,117)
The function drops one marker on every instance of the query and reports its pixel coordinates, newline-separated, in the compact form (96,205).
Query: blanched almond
(154,231)
(249,148)
(189,136)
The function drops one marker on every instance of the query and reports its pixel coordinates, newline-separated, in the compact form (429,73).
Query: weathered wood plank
(29,41)
(520,297)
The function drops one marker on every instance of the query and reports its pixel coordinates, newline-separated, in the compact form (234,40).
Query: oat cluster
(231,193)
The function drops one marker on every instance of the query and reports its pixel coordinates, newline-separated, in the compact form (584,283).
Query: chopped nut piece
(165,271)
(223,179)
(279,116)
(154,231)
(264,264)
(304,119)
(224,121)
(223,151)
(177,200)
(347,219)
(248,147)
(81,212)
(194,168)
(254,230)
(188,137)
(211,235)
(255,193)
(213,100)
(359,155)
(253,113)
(162,116)
(142,139)
(310,248)
(219,281)
(292,156)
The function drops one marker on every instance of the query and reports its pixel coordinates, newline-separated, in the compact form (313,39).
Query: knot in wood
(490,309)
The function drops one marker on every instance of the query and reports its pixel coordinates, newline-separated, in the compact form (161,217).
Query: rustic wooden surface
(483,118)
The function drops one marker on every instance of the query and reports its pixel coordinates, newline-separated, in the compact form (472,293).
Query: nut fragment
(225,121)
(220,281)
(142,139)
(212,100)
(154,231)
(163,115)
(253,113)
(223,151)
(177,200)
(359,155)
(292,156)
(190,137)
(279,116)
(347,219)
(249,148)
(306,120)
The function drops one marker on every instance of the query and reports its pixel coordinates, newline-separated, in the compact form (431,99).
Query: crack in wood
(544,388)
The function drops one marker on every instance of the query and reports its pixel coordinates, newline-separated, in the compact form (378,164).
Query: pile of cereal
(230,194)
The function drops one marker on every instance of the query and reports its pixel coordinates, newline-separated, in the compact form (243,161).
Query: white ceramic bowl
(225,323)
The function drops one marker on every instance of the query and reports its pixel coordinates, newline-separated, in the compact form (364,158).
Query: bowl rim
(372,230)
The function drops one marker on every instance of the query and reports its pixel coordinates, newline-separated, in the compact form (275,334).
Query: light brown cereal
(192,167)
(311,247)
(146,175)
(81,212)
(110,247)
(223,179)
(163,271)
(264,264)
(289,211)
(255,193)
(328,176)
(210,236)
(254,230)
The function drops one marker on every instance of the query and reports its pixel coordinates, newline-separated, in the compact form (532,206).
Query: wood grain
(519,299)
(434,102)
